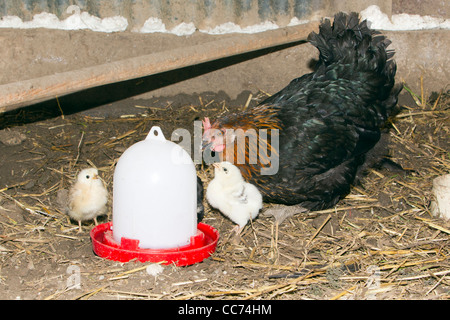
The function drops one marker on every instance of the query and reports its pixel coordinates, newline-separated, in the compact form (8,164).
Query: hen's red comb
(206,124)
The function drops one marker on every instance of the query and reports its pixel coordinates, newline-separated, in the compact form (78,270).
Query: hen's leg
(282,212)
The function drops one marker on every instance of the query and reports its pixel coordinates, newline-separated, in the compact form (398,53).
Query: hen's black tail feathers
(348,41)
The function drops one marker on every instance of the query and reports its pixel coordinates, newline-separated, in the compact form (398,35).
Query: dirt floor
(380,242)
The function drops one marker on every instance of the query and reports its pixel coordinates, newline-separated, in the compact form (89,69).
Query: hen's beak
(206,144)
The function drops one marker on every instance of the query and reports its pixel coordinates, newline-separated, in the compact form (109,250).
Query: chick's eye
(87,177)
(225,170)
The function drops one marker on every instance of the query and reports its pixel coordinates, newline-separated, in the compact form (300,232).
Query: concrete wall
(418,53)
(204,14)
(434,8)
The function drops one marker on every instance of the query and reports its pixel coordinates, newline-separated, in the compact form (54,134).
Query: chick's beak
(216,165)
(95,177)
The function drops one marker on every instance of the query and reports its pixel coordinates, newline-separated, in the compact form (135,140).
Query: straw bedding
(380,242)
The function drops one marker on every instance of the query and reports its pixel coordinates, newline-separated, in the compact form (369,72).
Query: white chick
(87,197)
(238,200)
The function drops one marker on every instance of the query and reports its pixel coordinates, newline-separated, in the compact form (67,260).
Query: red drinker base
(201,246)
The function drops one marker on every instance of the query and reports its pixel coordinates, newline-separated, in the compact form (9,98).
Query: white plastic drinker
(154,194)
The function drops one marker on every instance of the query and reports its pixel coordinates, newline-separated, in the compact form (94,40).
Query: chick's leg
(235,235)
(237,229)
(79,226)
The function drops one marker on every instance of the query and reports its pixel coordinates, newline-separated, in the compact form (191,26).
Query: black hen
(200,207)
(328,120)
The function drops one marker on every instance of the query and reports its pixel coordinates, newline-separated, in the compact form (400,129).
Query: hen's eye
(217,135)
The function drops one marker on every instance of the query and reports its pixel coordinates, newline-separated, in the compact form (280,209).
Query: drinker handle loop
(156,134)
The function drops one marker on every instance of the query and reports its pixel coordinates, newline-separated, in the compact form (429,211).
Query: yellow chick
(238,200)
(87,197)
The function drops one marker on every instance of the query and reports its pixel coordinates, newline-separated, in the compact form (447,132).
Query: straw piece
(126,273)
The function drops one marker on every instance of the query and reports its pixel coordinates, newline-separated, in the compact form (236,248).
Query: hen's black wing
(200,206)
